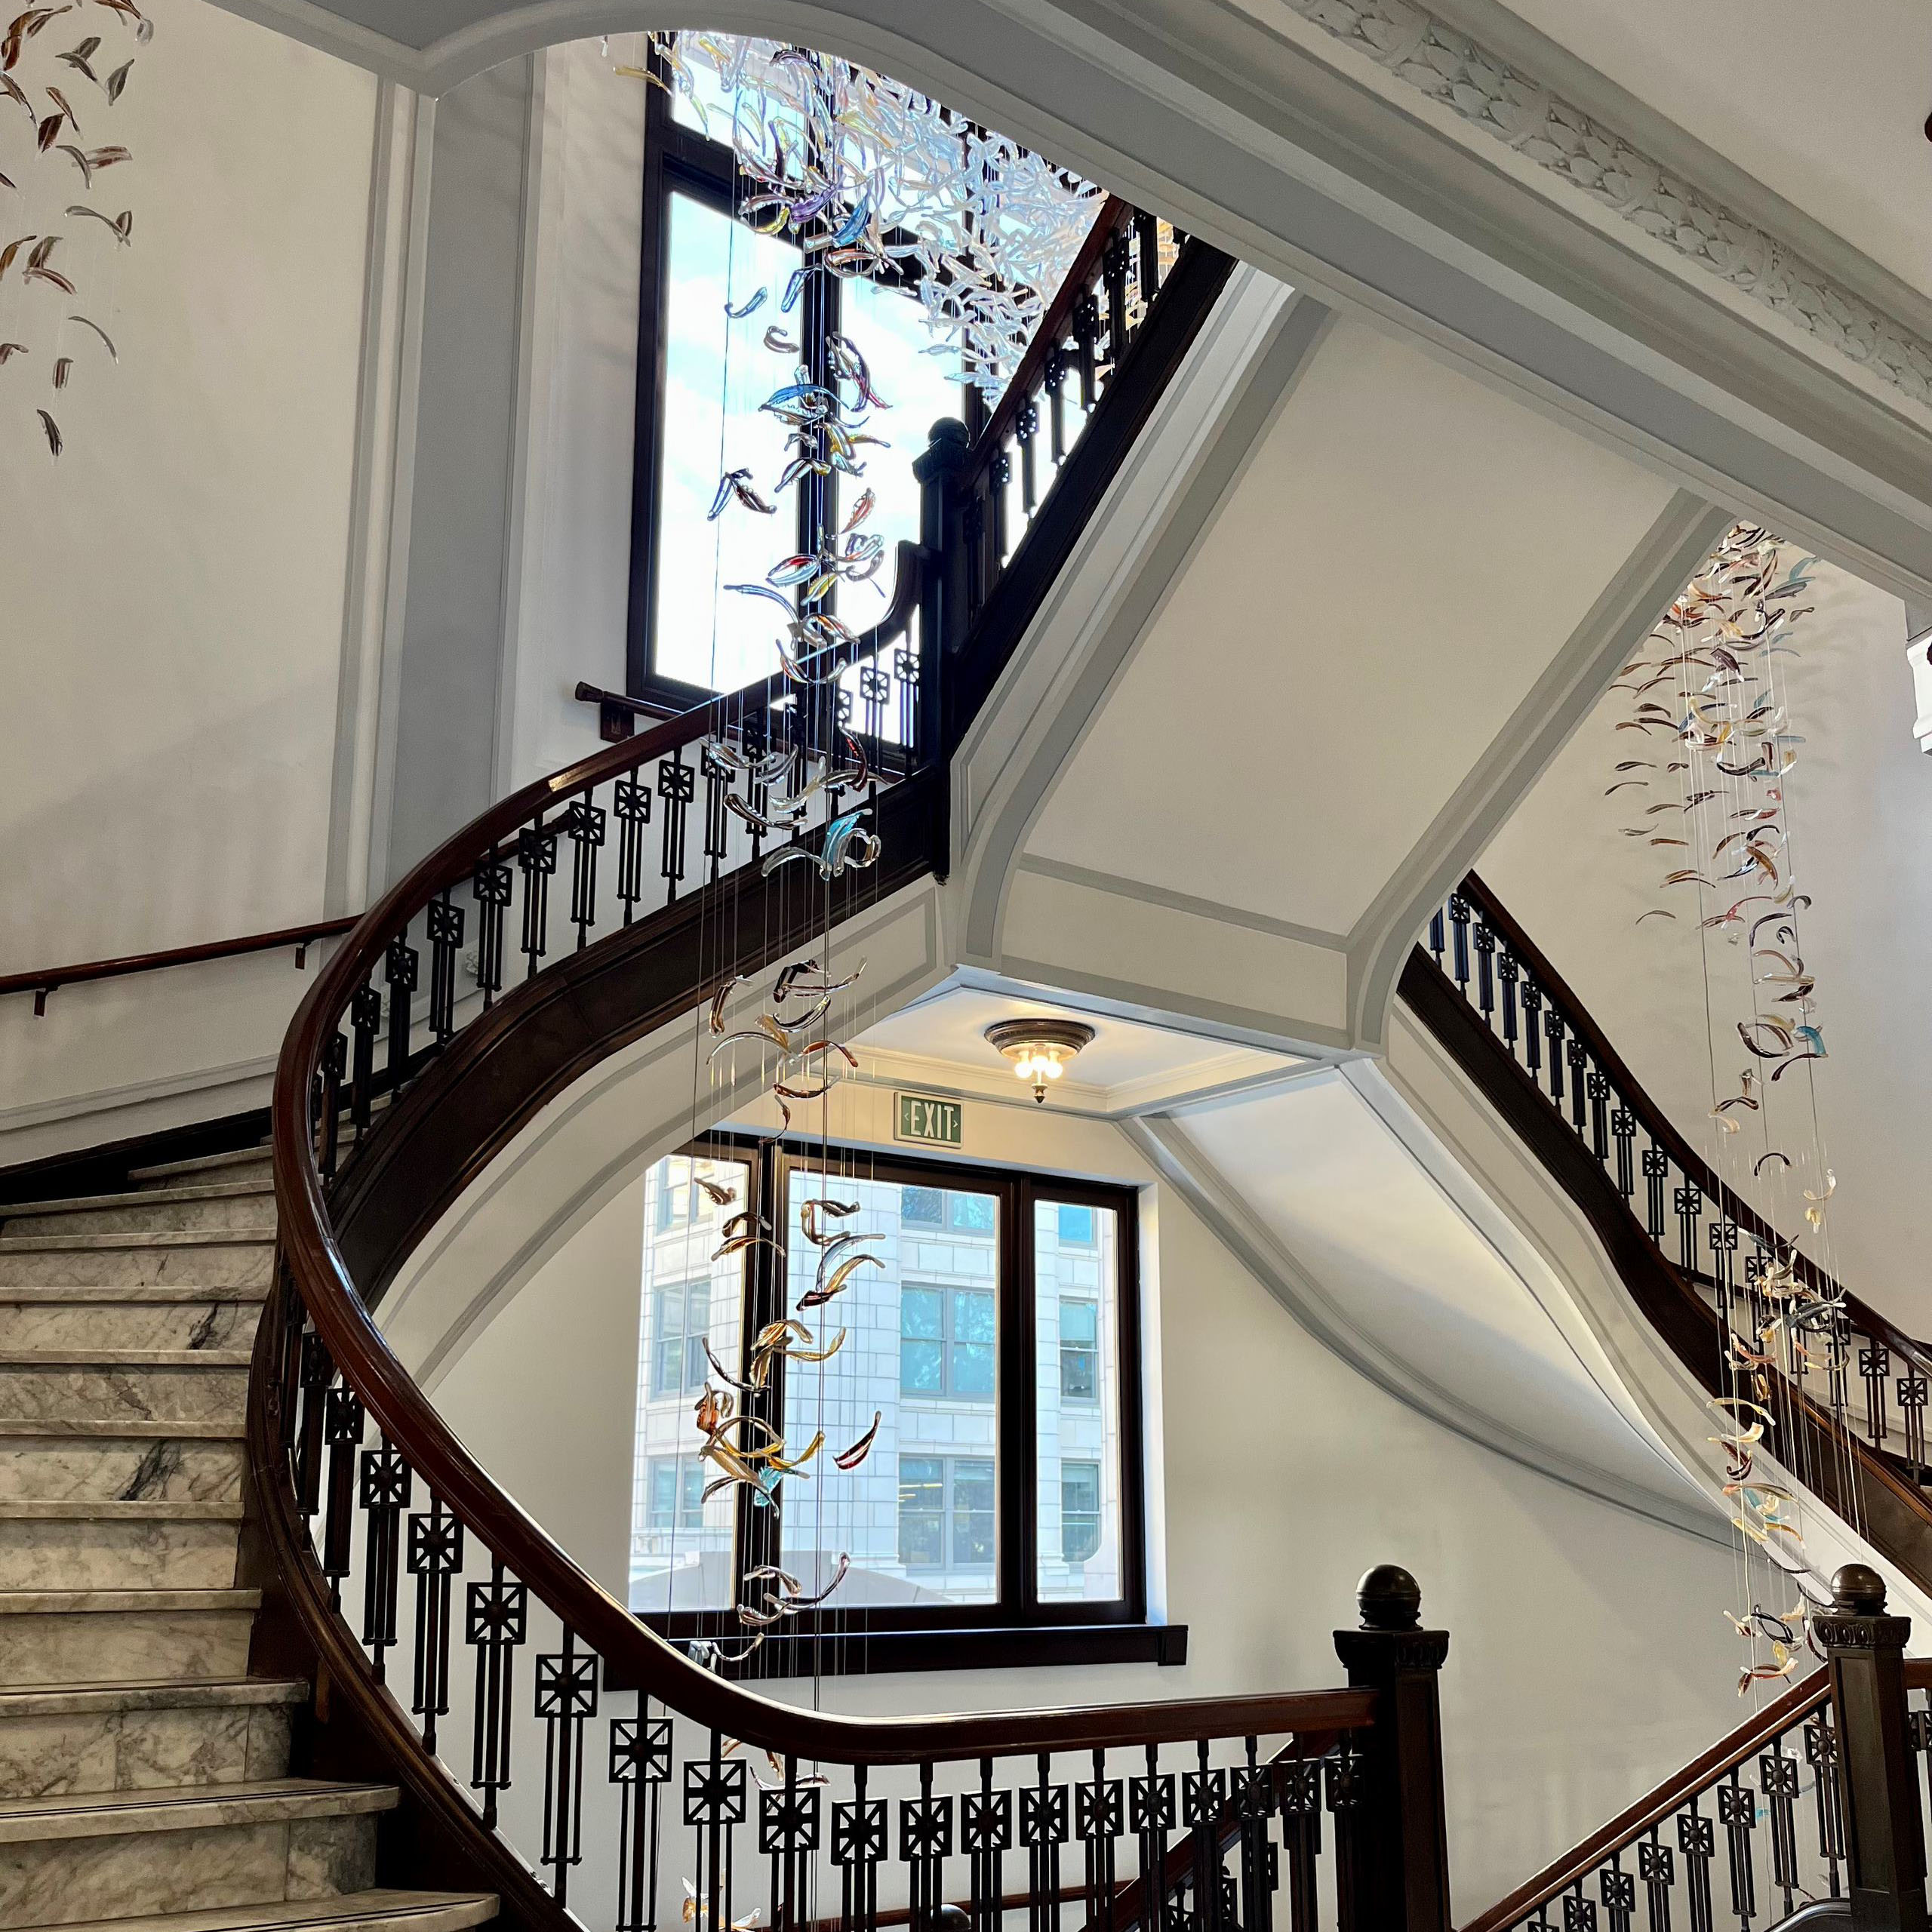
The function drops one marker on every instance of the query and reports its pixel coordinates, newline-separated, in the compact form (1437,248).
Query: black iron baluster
(318,1372)
(497,1623)
(1025,427)
(1575,1054)
(1697,1840)
(1099,1819)
(1688,1200)
(1656,1865)
(997,546)
(1053,379)
(906,669)
(1254,1805)
(631,801)
(536,860)
(1821,1753)
(1509,970)
(401,965)
(1596,1083)
(787,1821)
(445,941)
(1342,1779)
(1485,945)
(335,1062)
(566,1702)
(1147,239)
(717,777)
(1913,1388)
(292,1316)
(1618,1891)
(1722,1237)
(1086,334)
(1777,1777)
(1737,1811)
(385,1494)
(490,885)
(1150,1816)
(875,689)
(1532,1026)
(1298,1786)
(365,1019)
(640,1768)
(1624,1131)
(584,825)
(1875,1364)
(1657,1168)
(1437,939)
(677,785)
(1113,281)
(860,1836)
(435,1556)
(342,1426)
(925,1843)
(1460,913)
(1203,1792)
(1552,1030)
(1580,1914)
(985,1834)
(1043,1823)
(715,1803)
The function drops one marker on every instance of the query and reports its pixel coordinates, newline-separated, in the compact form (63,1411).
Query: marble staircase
(144,1779)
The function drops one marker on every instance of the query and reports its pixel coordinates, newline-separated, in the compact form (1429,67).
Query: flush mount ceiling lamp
(1039,1049)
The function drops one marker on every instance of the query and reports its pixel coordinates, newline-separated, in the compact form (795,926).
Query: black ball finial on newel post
(1389,1598)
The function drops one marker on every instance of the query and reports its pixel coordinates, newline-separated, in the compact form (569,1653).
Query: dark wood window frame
(1018,1628)
(679,160)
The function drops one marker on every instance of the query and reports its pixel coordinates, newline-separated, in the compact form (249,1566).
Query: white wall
(1859,806)
(1281,1475)
(174,618)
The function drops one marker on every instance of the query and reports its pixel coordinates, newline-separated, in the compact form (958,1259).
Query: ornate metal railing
(550,1745)
(1854,1376)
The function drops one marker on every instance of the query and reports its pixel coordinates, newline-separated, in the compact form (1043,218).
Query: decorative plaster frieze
(1449,67)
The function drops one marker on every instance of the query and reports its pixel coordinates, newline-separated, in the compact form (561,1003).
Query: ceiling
(1129,1067)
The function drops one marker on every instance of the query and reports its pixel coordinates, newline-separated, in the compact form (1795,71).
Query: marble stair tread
(137,1509)
(382,1910)
(102,1603)
(156,1294)
(141,1197)
(191,1808)
(137,1237)
(163,1694)
(132,1428)
(87,1355)
(201,1163)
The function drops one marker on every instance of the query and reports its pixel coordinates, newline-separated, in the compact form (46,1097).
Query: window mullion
(1018,1526)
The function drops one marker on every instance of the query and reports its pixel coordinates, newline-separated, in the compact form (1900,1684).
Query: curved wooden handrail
(300,937)
(1661,1129)
(1581,1861)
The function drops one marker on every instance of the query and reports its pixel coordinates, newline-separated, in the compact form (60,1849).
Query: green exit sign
(920,1117)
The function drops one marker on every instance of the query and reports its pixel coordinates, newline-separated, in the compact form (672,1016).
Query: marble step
(109,1854)
(144,1736)
(145,1544)
(244,1163)
(112,1385)
(163,1316)
(351,1912)
(73,1637)
(231,1204)
(201,1258)
(108,1462)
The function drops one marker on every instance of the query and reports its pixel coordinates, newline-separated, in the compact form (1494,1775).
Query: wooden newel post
(1878,1781)
(943,604)
(1396,1843)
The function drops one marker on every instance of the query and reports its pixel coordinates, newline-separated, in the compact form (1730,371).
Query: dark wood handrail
(1114,215)
(1580,1861)
(1658,1126)
(300,937)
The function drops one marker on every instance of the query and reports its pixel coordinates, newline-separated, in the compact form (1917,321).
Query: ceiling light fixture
(1039,1049)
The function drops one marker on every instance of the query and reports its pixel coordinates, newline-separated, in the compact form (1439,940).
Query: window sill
(885,1652)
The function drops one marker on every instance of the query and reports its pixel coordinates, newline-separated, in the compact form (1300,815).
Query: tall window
(988,1355)
(703,374)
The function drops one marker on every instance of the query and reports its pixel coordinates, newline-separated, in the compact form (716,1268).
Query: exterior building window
(988,1352)
(681,1320)
(1079,1511)
(1079,1344)
(947,1342)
